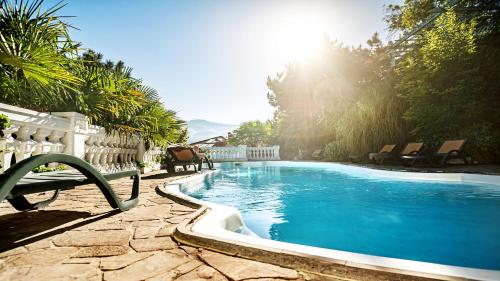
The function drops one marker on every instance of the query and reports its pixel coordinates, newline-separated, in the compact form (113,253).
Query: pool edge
(216,240)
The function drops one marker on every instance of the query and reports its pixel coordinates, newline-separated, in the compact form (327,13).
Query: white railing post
(242,153)
(276,152)
(75,133)
(7,147)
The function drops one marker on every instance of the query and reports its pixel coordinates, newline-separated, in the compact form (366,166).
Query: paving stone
(15,251)
(3,265)
(206,272)
(166,276)
(178,251)
(93,238)
(161,200)
(166,230)
(77,254)
(148,223)
(182,208)
(152,266)
(203,273)
(118,262)
(146,213)
(107,226)
(101,251)
(55,272)
(92,260)
(188,267)
(41,257)
(145,232)
(281,279)
(179,219)
(153,244)
(13,273)
(42,244)
(189,250)
(240,269)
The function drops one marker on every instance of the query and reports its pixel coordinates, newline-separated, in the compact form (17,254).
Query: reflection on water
(259,208)
(319,205)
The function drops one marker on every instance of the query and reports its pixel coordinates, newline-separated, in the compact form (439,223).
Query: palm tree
(41,69)
(35,54)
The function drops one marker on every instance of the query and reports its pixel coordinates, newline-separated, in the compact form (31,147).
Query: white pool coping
(221,222)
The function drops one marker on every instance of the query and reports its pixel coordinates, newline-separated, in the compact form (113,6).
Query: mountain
(200,129)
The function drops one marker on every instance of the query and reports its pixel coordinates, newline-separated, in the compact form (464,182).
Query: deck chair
(317,154)
(412,149)
(183,156)
(203,157)
(450,149)
(387,151)
(17,181)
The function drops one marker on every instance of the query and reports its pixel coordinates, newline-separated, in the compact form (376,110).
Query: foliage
(35,51)
(441,84)
(335,150)
(4,122)
(450,79)
(112,98)
(44,169)
(252,133)
(41,69)
(343,97)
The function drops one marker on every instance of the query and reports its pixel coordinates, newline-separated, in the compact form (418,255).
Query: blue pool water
(315,204)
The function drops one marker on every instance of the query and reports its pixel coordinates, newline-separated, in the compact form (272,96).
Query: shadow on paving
(19,229)
(166,175)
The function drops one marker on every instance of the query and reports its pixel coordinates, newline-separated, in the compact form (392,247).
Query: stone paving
(79,237)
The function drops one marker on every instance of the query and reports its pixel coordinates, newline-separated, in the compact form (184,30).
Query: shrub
(45,169)
(335,151)
(4,122)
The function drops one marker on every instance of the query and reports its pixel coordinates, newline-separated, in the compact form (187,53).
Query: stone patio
(79,237)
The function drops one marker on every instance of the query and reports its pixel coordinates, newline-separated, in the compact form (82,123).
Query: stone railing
(263,153)
(151,158)
(33,133)
(220,154)
(243,153)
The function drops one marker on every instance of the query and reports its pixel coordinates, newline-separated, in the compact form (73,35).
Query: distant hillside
(200,129)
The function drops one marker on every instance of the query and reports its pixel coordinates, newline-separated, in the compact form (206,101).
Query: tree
(344,96)
(41,69)
(449,75)
(35,55)
(252,133)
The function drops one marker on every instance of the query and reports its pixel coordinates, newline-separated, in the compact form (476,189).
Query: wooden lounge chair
(17,181)
(450,149)
(185,156)
(203,157)
(387,151)
(317,154)
(411,149)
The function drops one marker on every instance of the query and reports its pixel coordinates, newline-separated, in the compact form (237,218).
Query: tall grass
(372,121)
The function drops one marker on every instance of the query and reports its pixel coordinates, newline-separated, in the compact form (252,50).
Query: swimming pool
(362,211)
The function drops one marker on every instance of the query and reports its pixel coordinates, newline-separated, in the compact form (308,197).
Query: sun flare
(300,36)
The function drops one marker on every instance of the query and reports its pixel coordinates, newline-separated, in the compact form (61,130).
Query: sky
(210,59)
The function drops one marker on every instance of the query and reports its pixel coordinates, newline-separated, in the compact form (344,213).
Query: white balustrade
(152,158)
(263,153)
(242,153)
(33,133)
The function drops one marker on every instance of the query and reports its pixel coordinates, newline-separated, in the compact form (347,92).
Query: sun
(299,36)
